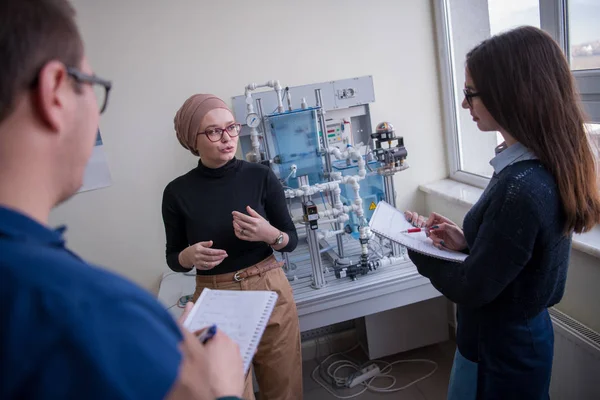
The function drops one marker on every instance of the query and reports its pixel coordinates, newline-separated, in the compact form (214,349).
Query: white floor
(433,388)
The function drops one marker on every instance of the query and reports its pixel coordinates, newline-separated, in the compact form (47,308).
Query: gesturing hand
(253,227)
(202,256)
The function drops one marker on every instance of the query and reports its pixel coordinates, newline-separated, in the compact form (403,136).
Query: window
(594,131)
(462,24)
(584,34)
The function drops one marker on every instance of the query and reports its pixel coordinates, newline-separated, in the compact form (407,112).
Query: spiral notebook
(390,222)
(242,315)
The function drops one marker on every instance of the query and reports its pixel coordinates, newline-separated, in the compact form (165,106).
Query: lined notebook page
(242,315)
(389,222)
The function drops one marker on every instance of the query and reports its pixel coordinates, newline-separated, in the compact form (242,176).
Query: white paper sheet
(390,222)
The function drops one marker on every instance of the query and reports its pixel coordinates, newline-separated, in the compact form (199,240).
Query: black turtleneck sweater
(197,207)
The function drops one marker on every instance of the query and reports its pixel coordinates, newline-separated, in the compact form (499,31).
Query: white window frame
(554,20)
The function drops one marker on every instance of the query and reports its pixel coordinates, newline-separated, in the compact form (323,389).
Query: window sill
(467,195)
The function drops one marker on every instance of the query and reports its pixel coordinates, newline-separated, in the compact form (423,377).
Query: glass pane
(371,191)
(584,34)
(508,14)
(296,136)
(594,131)
(472,22)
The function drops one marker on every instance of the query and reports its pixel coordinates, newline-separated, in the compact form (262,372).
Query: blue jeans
(463,379)
(514,361)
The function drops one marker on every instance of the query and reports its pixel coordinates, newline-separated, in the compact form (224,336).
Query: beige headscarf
(189,117)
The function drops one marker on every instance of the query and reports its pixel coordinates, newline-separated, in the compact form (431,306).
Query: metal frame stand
(328,165)
(390,197)
(318,274)
(259,109)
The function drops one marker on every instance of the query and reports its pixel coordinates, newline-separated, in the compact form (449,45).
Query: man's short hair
(32,33)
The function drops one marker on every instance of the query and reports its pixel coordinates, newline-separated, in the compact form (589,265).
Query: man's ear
(52,94)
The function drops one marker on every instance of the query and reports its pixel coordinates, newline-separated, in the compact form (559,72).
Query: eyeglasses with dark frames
(469,96)
(101,86)
(216,134)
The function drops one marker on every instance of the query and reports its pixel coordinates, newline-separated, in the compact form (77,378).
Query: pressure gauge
(252,120)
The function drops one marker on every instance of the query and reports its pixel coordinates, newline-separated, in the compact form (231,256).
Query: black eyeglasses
(216,134)
(469,96)
(101,86)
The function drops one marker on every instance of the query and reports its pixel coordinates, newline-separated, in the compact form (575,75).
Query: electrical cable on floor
(176,304)
(340,382)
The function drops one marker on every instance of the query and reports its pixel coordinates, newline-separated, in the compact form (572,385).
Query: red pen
(415,230)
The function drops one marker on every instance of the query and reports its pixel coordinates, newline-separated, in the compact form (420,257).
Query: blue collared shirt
(70,330)
(506,156)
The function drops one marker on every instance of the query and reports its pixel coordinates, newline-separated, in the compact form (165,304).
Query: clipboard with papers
(242,315)
(389,222)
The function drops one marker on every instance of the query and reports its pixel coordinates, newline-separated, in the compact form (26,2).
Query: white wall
(159,52)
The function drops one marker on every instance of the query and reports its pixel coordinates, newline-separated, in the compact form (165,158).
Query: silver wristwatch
(279,239)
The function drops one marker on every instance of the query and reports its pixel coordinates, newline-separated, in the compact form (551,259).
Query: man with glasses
(71,330)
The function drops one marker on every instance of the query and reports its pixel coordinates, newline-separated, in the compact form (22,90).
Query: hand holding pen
(211,365)
(208,334)
(203,335)
(417,230)
(444,233)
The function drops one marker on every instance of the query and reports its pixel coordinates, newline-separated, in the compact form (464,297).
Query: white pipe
(334,151)
(358,202)
(387,261)
(353,152)
(364,233)
(303,105)
(255,143)
(289,100)
(255,155)
(279,89)
(310,190)
(340,220)
(329,234)
(332,213)
(323,219)
(339,212)
(249,103)
(337,201)
(251,87)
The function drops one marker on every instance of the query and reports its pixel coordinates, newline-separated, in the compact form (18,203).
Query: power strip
(365,374)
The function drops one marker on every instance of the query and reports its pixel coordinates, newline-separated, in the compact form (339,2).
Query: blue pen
(208,334)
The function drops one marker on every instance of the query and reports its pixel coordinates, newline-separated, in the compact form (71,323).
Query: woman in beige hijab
(225,217)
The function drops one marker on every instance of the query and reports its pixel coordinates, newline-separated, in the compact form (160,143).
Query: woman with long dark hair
(518,235)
